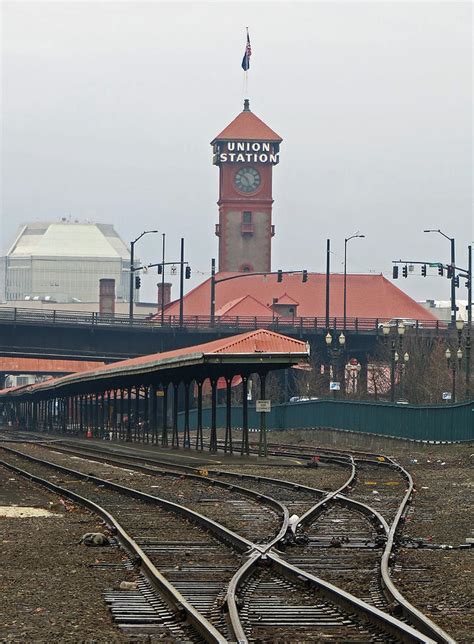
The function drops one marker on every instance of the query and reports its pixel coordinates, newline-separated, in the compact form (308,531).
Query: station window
(247,217)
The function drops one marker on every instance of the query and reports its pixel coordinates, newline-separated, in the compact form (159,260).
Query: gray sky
(108,109)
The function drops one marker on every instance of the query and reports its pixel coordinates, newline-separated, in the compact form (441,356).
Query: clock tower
(245,151)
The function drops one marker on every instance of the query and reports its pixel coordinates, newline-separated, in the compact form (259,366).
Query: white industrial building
(63,262)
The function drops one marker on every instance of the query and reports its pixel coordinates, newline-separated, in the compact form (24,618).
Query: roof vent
(246,105)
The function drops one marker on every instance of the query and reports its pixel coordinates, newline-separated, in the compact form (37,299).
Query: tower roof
(247,127)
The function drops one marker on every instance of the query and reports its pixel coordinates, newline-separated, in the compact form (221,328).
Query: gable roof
(243,349)
(246,305)
(286,299)
(248,127)
(44,365)
(368,296)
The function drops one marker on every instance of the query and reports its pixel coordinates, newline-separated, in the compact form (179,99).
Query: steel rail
(224,534)
(177,603)
(420,620)
(255,496)
(350,603)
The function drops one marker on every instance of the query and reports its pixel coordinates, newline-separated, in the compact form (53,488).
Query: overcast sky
(108,109)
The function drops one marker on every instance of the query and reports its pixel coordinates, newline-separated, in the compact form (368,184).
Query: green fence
(416,422)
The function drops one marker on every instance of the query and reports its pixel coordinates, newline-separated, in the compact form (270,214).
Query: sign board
(160,393)
(334,386)
(446,395)
(263,405)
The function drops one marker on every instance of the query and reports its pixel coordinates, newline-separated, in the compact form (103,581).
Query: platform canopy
(256,351)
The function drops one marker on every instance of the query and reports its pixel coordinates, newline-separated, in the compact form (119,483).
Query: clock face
(247,179)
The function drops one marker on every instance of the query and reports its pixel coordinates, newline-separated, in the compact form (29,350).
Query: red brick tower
(245,151)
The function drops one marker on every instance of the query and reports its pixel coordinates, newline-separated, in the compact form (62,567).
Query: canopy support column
(175,437)
(199,444)
(164,433)
(152,396)
(213,438)
(228,417)
(245,417)
(186,438)
(262,445)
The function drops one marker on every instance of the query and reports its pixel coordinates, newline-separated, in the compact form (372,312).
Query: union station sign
(246,152)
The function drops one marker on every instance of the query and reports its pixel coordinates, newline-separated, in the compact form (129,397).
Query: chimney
(166,294)
(106,297)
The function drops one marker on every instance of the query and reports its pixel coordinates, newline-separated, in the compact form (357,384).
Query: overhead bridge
(34,333)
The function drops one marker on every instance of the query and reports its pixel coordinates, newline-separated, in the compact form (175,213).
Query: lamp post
(453,277)
(386,328)
(335,350)
(132,268)
(355,236)
(452,366)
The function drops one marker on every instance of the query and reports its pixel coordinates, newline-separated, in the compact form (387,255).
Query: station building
(246,153)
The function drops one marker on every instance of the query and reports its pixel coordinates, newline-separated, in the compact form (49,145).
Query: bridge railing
(203,322)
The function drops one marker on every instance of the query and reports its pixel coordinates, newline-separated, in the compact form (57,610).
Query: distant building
(262,296)
(63,262)
(442,308)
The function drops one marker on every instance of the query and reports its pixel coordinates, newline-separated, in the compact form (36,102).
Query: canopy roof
(247,352)
(368,296)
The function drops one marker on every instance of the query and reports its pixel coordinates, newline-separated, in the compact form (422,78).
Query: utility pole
(181,284)
(132,275)
(328,250)
(163,281)
(213,291)
(132,269)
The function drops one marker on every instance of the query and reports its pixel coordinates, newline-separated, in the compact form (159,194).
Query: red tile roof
(247,127)
(253,343)
(41,365)
(286,299)
(243,306)
(369,296)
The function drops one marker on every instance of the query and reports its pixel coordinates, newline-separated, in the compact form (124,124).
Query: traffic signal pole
(181,285)
(132,259)
(453,280)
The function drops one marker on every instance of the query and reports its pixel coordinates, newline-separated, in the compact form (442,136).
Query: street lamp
(132,268)
(356,235)
(335,350)
(394,356)
(453,264)
(452,366)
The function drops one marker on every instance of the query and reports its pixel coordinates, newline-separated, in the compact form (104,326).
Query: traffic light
(280,276)
(405,271)
(423,270)
(395,272)
(440,270)
(138,281)
(187,272)
(456,281)
(160,269)
(305,276)
(450,272)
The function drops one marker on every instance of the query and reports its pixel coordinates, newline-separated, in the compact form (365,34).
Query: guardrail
(203,322)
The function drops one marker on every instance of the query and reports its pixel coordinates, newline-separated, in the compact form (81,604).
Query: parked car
(295,399)
(407,322)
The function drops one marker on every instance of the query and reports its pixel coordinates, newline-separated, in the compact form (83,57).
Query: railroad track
(350,616)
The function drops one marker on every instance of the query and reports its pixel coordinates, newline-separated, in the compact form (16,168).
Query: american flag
(248,53)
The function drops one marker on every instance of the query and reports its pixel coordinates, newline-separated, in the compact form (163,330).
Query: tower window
(247,217)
